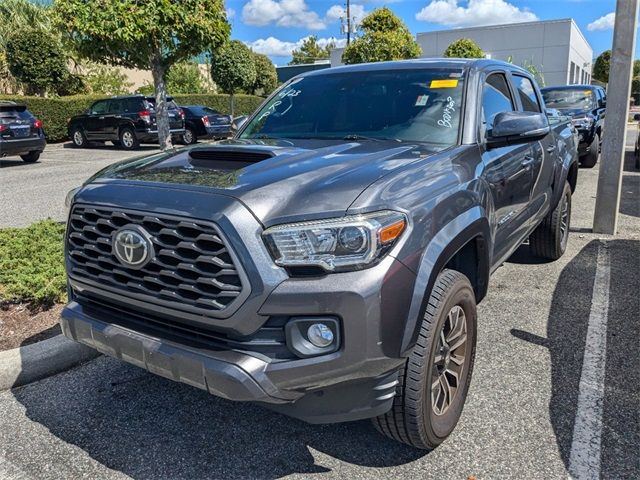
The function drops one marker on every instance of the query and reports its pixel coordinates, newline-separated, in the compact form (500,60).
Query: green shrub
(56,112)
(32,264)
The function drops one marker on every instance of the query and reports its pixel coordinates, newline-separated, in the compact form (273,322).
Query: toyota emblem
(132,246)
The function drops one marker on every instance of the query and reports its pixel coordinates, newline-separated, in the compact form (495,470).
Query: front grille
(193,269)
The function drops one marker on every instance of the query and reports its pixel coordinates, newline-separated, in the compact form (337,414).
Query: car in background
(586,105)
(21,133)
(202,122)
(636,151)
(126,121)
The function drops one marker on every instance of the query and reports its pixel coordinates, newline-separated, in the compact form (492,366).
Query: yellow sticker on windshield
(450,83)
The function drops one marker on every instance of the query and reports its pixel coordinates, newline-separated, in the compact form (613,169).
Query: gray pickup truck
(327,262)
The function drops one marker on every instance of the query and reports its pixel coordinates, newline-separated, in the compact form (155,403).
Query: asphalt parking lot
(106,419)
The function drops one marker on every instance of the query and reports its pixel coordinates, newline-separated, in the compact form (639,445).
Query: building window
(572,74)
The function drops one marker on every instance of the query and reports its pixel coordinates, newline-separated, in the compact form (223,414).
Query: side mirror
(603,104)
(512,128)
(238,122)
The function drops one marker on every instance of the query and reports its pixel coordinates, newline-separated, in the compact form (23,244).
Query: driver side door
(508,169)
(95,123)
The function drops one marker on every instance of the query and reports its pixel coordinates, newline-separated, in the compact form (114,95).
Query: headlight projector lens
(353,239)
(320,335)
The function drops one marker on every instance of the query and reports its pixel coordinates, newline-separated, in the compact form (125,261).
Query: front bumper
(22,146)
(585,139)
(151,136)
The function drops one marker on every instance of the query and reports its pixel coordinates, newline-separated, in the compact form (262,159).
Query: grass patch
(32,265)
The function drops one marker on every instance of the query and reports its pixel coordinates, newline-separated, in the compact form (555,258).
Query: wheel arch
(464,244)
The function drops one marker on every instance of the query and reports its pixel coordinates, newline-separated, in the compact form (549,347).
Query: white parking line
(584,460)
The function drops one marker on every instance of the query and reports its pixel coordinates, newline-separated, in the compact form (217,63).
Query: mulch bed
(20,326)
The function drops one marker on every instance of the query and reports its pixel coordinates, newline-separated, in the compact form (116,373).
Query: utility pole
(613,145)
(348,22)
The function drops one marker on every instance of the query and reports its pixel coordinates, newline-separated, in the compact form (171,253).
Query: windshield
(404,105)
(569,99)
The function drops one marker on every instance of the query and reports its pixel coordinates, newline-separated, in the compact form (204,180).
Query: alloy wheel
(77,138)
(127,139)
(448,361)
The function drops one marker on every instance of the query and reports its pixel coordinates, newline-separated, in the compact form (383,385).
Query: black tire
(413,419)
(78,138)
(590,159)
(549,240)
(30,157)
(189,137)
(128,139)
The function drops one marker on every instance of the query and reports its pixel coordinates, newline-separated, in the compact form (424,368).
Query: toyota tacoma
(328,260)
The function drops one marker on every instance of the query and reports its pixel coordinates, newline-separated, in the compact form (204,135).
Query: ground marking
(584,460)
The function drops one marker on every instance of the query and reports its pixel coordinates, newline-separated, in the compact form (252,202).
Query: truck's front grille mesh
(192,270)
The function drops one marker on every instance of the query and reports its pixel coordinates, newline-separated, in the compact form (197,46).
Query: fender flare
(445,244)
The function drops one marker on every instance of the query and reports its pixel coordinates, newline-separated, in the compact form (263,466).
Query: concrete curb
(24,365)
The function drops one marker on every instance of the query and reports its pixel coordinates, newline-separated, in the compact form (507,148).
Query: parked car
(586,104)
(125,121)
(21,133)
(204,122)
(328,261)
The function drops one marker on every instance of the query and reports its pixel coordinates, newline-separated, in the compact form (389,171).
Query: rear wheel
(78,138)
(591,158)
(30,157)
(189,137)
(128,139)
(549,240)
(433,383)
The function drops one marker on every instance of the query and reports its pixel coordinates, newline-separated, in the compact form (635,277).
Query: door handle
(527,163)
(551,149)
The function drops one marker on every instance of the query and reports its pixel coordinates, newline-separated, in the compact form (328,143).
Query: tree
(464,48)
(601,66)
(186,77)
(36,59)
(266,76)
(310,51)
(384,37)
(106,80)
(233,69)
(153,34)
(16,14)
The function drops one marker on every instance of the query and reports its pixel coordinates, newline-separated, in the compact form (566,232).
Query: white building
(557,48)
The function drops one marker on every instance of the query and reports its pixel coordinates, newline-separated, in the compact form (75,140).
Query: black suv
(125,121)
(21,133)
(204,122)
(586,105)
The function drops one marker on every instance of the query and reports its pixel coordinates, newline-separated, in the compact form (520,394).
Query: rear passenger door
(507,169)
(544,152)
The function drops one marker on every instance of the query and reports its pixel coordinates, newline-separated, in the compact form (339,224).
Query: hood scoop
(243,155)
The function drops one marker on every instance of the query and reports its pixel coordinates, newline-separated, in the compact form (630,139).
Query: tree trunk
(158,71)
(232,102)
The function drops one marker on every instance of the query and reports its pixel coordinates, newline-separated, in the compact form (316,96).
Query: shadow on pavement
(13,162)
(109,146)
(566,333)
(149,428)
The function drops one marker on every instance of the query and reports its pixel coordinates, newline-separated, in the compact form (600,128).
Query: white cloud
(476,12)
(279,48)
(230,13)
(284,13)
(336,12)
(603,23)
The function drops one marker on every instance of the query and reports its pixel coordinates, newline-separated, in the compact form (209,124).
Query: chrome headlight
(582,122)
(338,244)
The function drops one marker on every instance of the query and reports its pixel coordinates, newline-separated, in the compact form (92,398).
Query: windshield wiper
(355,136)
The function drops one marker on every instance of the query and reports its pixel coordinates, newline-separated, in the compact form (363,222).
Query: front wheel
(434,381)
(549,239)
(591,158)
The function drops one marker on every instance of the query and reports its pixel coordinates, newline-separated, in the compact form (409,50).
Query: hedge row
(56,112)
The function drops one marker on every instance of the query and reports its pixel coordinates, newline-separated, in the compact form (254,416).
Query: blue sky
(274,27)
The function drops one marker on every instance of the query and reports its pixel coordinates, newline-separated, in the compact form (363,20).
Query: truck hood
(277,180)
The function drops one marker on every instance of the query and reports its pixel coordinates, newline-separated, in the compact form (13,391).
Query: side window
(135,104)
(496,98)
(100,107)
(527,94)
(116,106)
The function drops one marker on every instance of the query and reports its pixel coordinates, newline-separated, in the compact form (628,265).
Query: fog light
(311,336)
(320,335)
